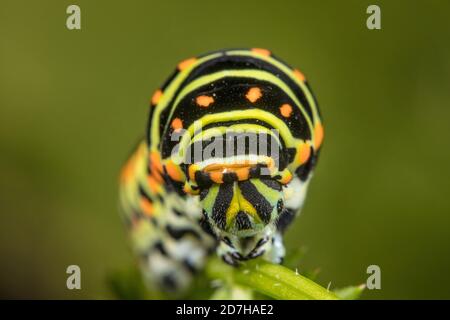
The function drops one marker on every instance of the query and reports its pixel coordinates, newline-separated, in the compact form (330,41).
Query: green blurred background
(73,104)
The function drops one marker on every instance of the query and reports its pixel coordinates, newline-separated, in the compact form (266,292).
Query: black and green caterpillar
(232,139)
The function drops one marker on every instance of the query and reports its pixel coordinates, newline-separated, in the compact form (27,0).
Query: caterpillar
(231,142)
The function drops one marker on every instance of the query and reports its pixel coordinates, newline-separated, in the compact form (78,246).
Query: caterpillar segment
(232,139)
(165,229)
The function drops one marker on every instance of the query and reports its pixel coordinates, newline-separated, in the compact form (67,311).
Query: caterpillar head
(239,178)
(242,208)
(241,197)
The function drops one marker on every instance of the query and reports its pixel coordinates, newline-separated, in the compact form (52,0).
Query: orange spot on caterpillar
(216,177)
(191,171)
(261,51)
(186,63)
(299,75)
(187,188)
(156,97)
(174,171)
(153,184)
(128,169)
(318,135)
(155,166)
(286,178)
(155,162)
(304,153)
(204,101)
(146,207)
(253,94)
(286,110)
(177,124)
(242,174)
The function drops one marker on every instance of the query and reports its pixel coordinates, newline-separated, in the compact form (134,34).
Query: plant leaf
(270,279)
(350,292)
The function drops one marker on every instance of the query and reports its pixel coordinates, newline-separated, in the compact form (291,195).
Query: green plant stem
(270,279)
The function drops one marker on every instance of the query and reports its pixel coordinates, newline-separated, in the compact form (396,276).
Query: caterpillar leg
(269,245)
(276,251)
(170,267)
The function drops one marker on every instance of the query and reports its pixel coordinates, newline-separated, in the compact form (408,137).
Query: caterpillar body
(192,188)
